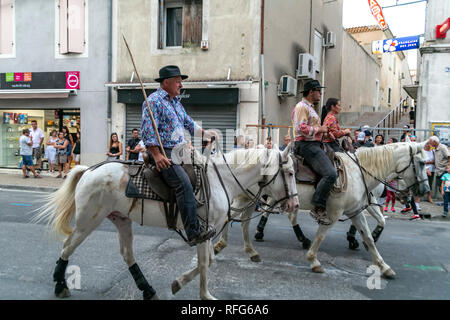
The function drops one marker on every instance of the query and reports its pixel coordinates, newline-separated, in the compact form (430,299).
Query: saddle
(146,182)
(304,174)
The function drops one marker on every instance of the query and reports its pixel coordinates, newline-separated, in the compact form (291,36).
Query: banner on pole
(397,44)
(375,8)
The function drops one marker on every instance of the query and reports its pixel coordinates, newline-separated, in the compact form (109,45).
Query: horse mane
(377,159)
(242,159)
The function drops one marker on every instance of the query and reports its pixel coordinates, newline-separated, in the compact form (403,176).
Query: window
(72,26)
(180,23)
(318,40)
(6,28)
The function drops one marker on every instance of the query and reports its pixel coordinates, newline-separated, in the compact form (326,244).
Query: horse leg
(222,243)
(205,258)
(353,244)
(248,246)
(361,224)
(311,255)
(70,244)
(186,277)
(259,235)
(298,231)
(376,213)
(123,225)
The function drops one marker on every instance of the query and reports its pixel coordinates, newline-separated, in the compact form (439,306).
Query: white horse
(401,159)
(306,243)
(93,195)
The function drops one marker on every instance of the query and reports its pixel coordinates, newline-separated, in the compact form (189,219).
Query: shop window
(180,23)
(72,26)
(6,28)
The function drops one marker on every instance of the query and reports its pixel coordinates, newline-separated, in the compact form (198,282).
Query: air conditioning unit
(287,86)
(330,40)
(306,67)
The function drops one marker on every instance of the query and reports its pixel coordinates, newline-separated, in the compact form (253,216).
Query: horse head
(279,178)
(411,168)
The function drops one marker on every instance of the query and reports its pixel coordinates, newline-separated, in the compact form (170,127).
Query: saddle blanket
(138,187)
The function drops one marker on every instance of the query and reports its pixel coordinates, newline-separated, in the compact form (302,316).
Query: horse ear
(285,152)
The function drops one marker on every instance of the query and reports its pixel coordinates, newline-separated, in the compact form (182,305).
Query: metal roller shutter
(211,117)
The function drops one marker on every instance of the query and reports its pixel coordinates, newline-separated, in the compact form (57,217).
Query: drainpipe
(322,83)
(263,100)
(109,93)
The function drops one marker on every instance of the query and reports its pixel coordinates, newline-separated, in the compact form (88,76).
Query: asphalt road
(418,252)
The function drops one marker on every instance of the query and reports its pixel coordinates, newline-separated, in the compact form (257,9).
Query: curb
(29,188)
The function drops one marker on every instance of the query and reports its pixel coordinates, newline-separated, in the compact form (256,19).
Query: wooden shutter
(75,26)
(192,23)
(63,46)
(6,27)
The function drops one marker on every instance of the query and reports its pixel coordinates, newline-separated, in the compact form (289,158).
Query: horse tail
(60,205)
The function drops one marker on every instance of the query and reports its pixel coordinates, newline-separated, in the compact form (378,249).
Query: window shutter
(161,24)
(6,27)
(192,23)
(63,46)
(75,26)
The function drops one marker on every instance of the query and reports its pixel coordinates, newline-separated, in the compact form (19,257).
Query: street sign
(397,44)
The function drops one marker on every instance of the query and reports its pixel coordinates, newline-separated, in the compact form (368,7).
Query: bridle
(254,199)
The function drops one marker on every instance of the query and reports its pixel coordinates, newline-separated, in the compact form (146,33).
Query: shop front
(214,108)
(20,103)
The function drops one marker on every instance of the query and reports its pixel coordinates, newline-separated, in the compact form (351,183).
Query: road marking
(21,204)
(424,268)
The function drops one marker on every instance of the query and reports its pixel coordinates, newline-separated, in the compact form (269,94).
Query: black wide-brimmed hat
(311,85)
(170,72)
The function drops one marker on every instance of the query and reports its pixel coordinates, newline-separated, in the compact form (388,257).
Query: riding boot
(320,215)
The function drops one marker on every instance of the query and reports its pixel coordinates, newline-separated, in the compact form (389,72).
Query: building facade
(54,74)
(433,89)
(230,50)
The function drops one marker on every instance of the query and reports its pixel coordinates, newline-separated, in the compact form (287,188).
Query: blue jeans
(177,178)
(446,200)
(317,159)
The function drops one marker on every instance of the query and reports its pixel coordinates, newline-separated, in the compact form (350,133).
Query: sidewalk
(13,179)
(430,211)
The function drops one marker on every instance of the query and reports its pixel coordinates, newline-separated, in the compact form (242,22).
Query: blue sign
(397,44)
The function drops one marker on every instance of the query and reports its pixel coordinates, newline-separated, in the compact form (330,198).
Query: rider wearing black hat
(308,141)
(171,120)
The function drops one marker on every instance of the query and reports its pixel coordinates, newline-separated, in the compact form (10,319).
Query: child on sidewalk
(390,196)
(445,190)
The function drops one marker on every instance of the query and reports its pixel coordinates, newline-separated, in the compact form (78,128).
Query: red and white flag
(378,14)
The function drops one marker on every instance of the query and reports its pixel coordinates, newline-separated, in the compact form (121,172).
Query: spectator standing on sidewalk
(429,167)
(50,151)
(445,187)
(379,140)
(26,151)
(69,138)
(441,159)
(38,138)
(77,149)
(133,148)
(115,148)
(390,197)
(61,154)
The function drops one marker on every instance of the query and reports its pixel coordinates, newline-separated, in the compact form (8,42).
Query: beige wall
(358,83)
(232,28)
(286,35)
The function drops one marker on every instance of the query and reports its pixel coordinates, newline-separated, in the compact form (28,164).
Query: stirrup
(321,218)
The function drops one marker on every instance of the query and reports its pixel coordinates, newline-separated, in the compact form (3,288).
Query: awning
(36,93)
(412,91)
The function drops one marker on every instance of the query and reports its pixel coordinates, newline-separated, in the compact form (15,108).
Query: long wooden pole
(145,96)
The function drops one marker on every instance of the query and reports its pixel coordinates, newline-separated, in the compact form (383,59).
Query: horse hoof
(259,237)
(256,258)
(175,287)
(389,274)
(65,293)
(318,269)
(216,251)
(150,295)
(353,245)
(306,244)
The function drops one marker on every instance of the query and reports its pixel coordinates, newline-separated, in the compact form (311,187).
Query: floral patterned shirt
(306,122)
(171,120)
(334,130)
